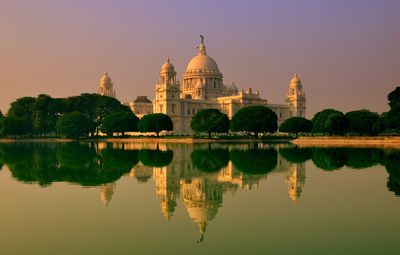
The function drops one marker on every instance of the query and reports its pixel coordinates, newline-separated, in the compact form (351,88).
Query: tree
(11,126)
(22,109)
(296,125)
(74,125)
(362,122)
(1,114)
(336,124)
(45,114)
(394,97)
(254,119)
(119,122)
(329,121)
(94,106)
(392,119)
(155,122)
(210,121)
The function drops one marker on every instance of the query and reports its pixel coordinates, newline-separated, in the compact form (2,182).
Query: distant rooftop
(142,99)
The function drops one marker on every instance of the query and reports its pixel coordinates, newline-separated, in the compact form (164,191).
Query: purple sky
(347,52)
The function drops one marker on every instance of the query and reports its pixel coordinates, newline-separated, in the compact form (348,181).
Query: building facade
(203,88)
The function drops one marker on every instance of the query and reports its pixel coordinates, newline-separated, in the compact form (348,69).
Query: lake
(217,198)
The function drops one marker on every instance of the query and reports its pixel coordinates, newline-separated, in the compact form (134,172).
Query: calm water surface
(100,198)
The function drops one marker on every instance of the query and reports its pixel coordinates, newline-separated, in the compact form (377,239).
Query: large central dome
(202,79)
(202,63)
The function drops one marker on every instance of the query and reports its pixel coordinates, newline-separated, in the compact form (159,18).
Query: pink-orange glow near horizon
(346,52)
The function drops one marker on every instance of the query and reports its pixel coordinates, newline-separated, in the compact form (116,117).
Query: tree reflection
(296,154)
(155,158)
(329,158)
(361,158)
(254,161)
(210,160)
(69,162)
(392,164)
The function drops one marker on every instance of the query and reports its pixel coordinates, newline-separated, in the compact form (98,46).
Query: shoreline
(183,140)
(343,141)
(322,141)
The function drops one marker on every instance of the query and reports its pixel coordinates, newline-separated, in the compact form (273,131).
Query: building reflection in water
(199,174)
(202,174)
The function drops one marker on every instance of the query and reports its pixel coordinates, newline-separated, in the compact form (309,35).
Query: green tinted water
(73,198)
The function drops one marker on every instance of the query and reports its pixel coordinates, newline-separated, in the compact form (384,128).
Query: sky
(346,52)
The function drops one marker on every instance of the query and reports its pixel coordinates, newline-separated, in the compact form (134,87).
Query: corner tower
(296,98)
(168,92)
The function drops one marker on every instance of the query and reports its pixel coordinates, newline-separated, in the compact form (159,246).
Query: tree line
(75,117)
(257,120)
(88,114)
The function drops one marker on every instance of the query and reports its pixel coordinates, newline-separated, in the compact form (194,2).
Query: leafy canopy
(210,121)
(296,125)
(155,122)
(119,122)
(254,119)
(74,125)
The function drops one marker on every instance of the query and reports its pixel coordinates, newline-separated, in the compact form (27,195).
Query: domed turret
(167,67)
(296,98)
(106,87)
(295,80)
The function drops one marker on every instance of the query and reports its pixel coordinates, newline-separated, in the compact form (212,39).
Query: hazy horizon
(345,52)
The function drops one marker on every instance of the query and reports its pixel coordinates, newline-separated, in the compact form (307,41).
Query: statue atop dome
(202,47)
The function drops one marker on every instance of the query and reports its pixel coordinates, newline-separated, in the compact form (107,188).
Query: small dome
(202,63)
(105,78)
(168,67)
(295,79)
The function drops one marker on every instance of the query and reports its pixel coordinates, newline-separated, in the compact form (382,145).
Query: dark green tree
(1,114)
(296,125)
(155,122)
(210,121)
(23,110)
(255,161)
(319,120)
(45,114)
(74,125)
(254,120)
(392,120)
(94,106)
(362,122)
(336,124)
(394,97)
(119,122)
(210,160)
(12,127)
